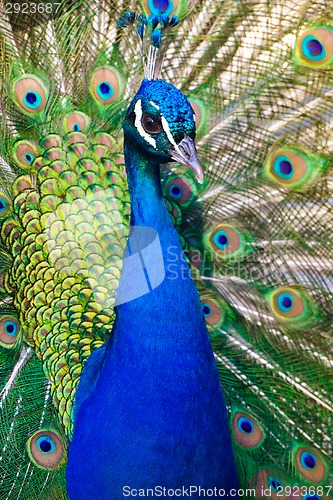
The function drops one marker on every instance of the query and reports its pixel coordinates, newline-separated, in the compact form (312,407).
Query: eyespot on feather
(24,153)
(76,138)
(225,240)
(293,167)
(296,494)
(9,330)
(76,122)
(314,47)
(214,311)
(51,141)
(247,432)
(167,7)
(104,139)
(45,449)
(288,304)
(181,189)
(5,205)
(275,484)
(307,496)
(268,482)
(200,114)
(100,150)
(106,85)
(22,183)
(309,464)
(197,112)
(30,94)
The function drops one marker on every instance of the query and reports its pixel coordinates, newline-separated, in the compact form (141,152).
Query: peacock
(165,261)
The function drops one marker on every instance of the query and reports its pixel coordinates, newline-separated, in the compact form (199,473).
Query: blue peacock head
(160,123)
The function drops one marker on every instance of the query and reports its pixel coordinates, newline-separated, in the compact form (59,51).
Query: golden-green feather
(257,232)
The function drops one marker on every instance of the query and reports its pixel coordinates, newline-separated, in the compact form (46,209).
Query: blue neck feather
(149,409)
(162,306)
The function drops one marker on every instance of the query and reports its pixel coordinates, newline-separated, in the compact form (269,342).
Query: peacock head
(160,124)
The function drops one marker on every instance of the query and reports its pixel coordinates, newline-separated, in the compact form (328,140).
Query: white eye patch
(147,137)
(155,105)
(138,124)
(167,130)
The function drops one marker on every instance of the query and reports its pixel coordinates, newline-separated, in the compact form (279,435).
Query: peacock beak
(185,153)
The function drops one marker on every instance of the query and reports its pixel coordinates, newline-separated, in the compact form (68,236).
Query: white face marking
(138,124)
(155,105)
(167,130)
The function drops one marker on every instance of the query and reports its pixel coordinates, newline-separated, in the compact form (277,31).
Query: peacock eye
(151,124)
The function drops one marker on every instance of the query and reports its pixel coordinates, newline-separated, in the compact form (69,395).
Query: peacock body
(256,234)
(167,413)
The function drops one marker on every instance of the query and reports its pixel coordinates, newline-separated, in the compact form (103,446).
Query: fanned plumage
(257,232)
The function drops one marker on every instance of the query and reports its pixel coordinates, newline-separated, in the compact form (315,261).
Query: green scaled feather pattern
(257,233)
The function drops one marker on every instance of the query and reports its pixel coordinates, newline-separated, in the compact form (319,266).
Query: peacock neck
(175,300)
(148,207)
(147,203)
